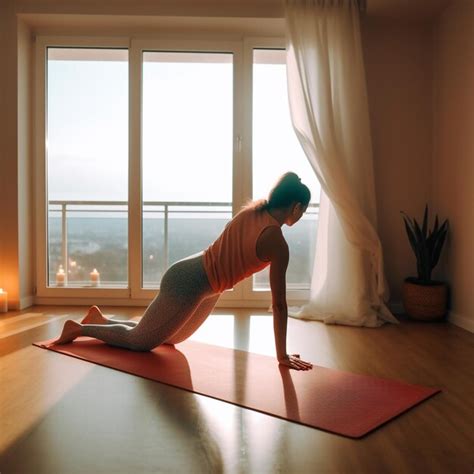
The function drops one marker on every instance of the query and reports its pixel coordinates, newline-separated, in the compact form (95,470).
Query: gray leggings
(183,303)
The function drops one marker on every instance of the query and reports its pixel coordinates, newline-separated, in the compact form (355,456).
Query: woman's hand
(293,361)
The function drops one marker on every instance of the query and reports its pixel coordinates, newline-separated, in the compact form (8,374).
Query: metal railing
(164,208)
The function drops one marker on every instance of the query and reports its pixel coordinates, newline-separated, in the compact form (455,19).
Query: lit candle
(3,301)
(95,277)
(60,276)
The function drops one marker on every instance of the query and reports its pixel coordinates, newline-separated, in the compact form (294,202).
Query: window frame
(243,293)
(137,47)
(42,44)
(251,43)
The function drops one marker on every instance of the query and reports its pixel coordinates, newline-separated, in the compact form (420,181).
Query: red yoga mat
(333,400)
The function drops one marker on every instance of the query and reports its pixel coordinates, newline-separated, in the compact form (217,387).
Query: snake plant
(426,244)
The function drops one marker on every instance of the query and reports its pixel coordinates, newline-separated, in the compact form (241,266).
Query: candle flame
(1,290)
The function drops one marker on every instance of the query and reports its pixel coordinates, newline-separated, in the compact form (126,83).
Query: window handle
(239,143)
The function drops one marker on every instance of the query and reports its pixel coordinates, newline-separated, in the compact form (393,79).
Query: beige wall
(399,81)
(9,251)
(25,164)
(453,162)
(399,74)
(16,215)
(199,8)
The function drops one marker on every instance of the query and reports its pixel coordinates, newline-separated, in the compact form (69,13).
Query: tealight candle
(95,277)
(60,276)
(3,301)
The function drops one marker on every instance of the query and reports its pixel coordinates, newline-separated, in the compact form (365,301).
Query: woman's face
(296,212)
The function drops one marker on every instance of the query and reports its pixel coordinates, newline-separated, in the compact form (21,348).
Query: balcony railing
(163,209)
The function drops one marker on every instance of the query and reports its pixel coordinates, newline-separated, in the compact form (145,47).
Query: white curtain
(329,109)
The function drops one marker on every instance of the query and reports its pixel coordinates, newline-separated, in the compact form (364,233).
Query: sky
(186,133)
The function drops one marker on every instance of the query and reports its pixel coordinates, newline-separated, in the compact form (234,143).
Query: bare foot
(94,316)
(71,330)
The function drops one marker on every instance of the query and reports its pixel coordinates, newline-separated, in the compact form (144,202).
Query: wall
(25,165)
(398,63)
(9,250)
(453,162)
(16,218)
(198,8)
(398,59)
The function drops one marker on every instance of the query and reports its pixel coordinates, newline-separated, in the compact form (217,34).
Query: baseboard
(225,304)
(54,301)
(26,302)
(22,303)
(461,321)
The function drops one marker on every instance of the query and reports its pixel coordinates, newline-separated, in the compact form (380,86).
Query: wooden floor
(60,415)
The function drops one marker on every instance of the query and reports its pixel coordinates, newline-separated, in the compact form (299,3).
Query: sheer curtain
(329,111)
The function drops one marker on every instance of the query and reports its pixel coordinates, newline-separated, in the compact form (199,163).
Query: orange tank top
(233,255)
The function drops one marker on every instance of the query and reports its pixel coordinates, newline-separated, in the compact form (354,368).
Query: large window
(275,150)
(146,150)
(186,155)
(87,167)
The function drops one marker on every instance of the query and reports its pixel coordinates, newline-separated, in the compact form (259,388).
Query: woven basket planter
(425,302)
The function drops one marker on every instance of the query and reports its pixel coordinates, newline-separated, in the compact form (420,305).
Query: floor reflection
(199,450)
(114,422)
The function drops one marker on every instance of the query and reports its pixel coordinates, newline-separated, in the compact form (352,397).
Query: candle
(3,301)
(95,277)
(60,276)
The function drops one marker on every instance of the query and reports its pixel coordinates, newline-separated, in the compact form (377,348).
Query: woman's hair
(287,190)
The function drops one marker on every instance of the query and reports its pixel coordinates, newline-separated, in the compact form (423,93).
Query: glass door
(276,150)
(187,153)
(87,167)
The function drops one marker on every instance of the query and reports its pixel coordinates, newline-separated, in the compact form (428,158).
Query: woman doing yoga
(190,288)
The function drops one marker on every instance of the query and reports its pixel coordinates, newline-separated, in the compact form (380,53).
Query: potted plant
(424,298)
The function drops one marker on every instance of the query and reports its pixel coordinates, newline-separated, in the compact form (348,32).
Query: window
(275,150)
(186,155)
(146,150)
(87,167)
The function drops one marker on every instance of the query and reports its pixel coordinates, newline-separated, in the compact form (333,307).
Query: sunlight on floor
(252,332)
(269,437)
(218,329)
(24,322)
(262,340)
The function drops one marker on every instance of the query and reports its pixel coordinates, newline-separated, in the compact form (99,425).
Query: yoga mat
(332,400)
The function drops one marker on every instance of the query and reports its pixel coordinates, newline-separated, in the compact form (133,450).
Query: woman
(191,287)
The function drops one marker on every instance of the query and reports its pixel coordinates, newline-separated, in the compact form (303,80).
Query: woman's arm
(278,266)
(274,246)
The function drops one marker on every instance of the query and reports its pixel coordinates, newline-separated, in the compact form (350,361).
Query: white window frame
(138,46)
(251,43)
(42,289)
(243,293)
